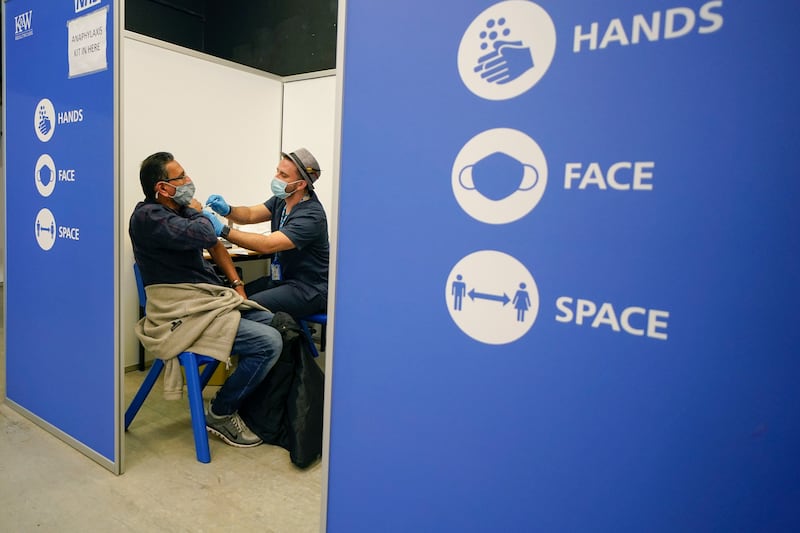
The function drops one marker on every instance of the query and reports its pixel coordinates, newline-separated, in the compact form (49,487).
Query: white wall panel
(308,121)
(222,123)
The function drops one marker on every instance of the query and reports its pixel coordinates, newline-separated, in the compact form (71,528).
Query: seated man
(189,308)
(298,284)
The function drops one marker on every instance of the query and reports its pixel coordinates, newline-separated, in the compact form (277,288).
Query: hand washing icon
(506,49)
(498,176)
(44,120)
(507,60)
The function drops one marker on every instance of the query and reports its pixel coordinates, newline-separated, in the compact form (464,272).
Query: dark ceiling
(284,37)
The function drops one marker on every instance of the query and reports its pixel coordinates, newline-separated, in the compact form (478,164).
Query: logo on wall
(499,176)
(82,5)
(492,297)
(45,229)
(45,175)
(44,120)
(507,49)
(23,25)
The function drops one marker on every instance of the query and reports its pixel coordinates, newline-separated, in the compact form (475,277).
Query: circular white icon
(45,229)
(492,297)
(499,176)
(45,175)
(44,120)
(507,49)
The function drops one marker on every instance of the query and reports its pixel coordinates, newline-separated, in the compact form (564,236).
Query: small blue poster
(60,217)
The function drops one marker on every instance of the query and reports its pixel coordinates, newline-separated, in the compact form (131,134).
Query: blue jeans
(258,346)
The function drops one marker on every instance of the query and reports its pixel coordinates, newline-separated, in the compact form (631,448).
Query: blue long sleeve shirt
(168,245)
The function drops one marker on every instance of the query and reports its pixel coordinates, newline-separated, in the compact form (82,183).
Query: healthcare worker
(298,242)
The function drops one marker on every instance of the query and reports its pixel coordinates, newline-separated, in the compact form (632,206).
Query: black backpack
(286,409)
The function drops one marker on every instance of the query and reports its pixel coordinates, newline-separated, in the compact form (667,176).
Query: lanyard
(275,260)
(283,218)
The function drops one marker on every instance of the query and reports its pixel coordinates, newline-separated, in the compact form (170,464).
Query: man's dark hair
(153,170)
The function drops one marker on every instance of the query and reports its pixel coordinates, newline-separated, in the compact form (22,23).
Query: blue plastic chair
(321,319)
(195,383)
(142,300)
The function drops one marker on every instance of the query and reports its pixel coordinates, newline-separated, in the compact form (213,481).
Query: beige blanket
(189,317)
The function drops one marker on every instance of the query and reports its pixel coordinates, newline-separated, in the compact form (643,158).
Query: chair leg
(208,371)
(144,390)
(141,348)
(189,361)
(309,338)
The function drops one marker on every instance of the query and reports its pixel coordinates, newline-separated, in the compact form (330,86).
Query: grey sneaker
(231,429)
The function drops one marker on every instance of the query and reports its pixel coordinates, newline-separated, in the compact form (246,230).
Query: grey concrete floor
(46,485)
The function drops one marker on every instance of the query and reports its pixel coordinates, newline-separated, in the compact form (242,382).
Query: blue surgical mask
(279,188)
(183,193)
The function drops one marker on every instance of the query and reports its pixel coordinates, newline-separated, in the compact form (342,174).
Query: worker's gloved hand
(216,222)
(218,204)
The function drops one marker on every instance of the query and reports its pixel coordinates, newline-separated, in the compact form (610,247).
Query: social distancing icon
(45,228)
(492,297)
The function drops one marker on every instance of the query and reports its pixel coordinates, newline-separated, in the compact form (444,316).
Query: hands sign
(508,61)
(44,124)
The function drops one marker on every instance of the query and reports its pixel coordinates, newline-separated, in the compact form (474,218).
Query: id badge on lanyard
(275,269)
(275,265)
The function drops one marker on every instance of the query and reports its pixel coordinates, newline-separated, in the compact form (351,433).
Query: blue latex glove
(218,204)
(216,222)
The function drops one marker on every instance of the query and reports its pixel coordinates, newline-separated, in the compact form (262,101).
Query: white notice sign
(87,43)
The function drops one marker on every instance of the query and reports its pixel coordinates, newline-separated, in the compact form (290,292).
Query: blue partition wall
(60,218)
(567,269)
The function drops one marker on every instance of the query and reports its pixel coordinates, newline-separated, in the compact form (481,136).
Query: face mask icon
(498,176)
(45,174)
